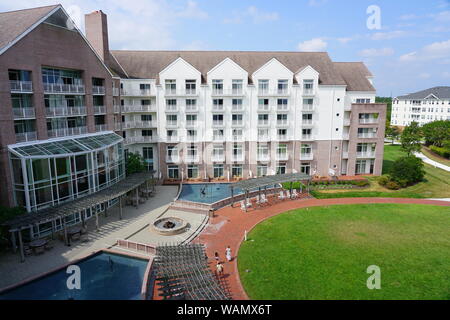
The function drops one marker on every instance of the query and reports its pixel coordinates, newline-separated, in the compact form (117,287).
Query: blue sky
(410,51)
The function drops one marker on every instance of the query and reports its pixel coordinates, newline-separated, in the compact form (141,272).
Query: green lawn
(324,252)
(430,154)
(436,184)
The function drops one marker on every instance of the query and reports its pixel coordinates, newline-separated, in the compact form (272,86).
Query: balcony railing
(308,92)
(307,137)
(307,107)
(138,108)
(193,138)
(137,92)
(218,123)
(237,107)
(282,123)
(21,113)
(64,132)
(263,137)
(100,127)
(116,92)
(191,108)
(282,107)
(63,88)
(172,139)
(237,123)
(263,123)
(307,122)
(348,108)
(172,158)
(192,158)
(282,156)
(368,120)
(306,156)
(117,109)
(276,92)
(346,136)
(139,124)
(142,139)
(262,157)
(238,138)
(347,122)
(218,137)
(218,108)
(99,109)
(263,108)
(218,158)
(21,86)
(171,108)
(367,135)
(26,136)
(228,92)
(118,126)
(283,137)
(98,90)
(237,157)
(180,92)
(172,124)
(65,111)
(345,155)
(367,154)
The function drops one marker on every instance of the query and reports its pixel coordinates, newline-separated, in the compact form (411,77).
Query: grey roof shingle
(148,64)
(15,23)
(355,75)
(441,92)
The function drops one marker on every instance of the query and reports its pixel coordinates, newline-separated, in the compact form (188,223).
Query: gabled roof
(355,75)
(13,24)
(441,92)
(148,64)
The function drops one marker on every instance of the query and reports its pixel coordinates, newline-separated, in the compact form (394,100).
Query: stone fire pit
(169,226)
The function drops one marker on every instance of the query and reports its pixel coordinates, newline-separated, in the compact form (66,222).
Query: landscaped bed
(324,252)
(436,184)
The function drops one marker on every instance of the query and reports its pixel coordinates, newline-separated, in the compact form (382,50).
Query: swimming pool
(100,280)
(207,192)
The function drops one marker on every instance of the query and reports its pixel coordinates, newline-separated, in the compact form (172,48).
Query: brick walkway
(229,224)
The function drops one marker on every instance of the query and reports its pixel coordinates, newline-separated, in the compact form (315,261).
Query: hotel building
(422,107)
(71,110)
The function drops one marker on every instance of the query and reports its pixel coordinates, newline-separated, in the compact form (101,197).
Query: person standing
(216,256)
(228,253)
(219,268)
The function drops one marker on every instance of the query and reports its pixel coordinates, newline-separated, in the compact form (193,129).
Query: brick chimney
(96,25)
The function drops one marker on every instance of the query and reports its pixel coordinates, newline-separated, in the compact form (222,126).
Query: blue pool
(207,192)
(100,280)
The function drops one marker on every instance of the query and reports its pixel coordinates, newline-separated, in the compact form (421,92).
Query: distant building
(422,107)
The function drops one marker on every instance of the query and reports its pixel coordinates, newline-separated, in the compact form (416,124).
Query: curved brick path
(229,224)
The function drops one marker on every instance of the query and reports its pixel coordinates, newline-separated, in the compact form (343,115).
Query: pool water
(207,192)
(100,280)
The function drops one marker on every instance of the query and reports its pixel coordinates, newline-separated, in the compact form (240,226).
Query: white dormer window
(217,86)
(308,85)
(171,86)
(191,86)
(263,86)
(236,86)
(282,86)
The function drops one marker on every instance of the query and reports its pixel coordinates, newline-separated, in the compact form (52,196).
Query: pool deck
(111,229)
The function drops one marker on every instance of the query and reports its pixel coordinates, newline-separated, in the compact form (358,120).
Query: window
(306,133)
(217,119)
(282,150)
(146,102)
(263,119)
(171,135)
(191,104)
(146,117)
(308,86)
(305,168)
(263,104)
(263,133)
(261,170)
(282,86)
(171,86)
(191,152)
(282,104)
(263,150)
(217,86)
(147,154)
(173,172)
(237,104)
(282,133)
(172,119)
(236,171)
(144,86)
(192,172)
(191,135)
(172,153)
(147,133)
(218,134)
(237,152)
(362,100)
(191,86)
(218,170)
(281,168)
(282,119)
(191,120)
(237,119)
(307,118)
(217,152)
(237,134)
(306,148)
(171,104)
(308,104)
(263,86)
(236,86)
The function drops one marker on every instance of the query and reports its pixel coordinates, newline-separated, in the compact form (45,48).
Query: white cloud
(383,52)
(443,16)
(344,40)
(408,17)
(388,35)
(434,51)
(254,14)
(316,44)
(193,11)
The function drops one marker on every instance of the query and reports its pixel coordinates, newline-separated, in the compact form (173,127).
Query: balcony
(307,123)
(368,120)
(116,92)
(63,88)
(263,108)
(237,107)
(284,156)
(139,124)
(348,108)
(263,123)
(180,93)
(218,108)
(172,138)
(307,137)
(99,109)
(307,156)
(280,92)
(367,135)
(191,108)
(192,138)
(137,92)
(307,107)
(22,113)
(366,154)
(138,108)
(217,157)
(172,124)
(237,123)
(192,158)
(308,92)
(345,155)
(346,136)
(236,92)
(98,90)
(172,158)
(21,86)
(100,127)
(237,157)
(191,123)
(218,137)
(283,137)
(218,123)
(282,107)
(26,136)
(65,111)
(171,109)
(118,126)
(262,157)
(238,138)
(282,123)
(347,122)
(64,132)
(134,140)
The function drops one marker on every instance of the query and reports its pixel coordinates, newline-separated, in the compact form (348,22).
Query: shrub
(362,183)
(407,171)
(443,152)
(392,185)
(383,180)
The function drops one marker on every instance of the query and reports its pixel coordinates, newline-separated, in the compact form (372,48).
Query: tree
(388,101)
(411,138)
(436,132)
(7,214)
(392,133)
(407,171)
(135,163)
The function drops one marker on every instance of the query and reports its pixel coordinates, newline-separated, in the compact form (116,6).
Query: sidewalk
(432,162)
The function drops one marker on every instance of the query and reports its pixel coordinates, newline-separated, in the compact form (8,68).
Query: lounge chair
(249,203)
(263,198)
(39,250)
(84,238)
(281,196)
(243,205)
(288,194)
(294,194)
(75,237)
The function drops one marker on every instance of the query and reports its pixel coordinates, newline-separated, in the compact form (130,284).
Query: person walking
(216,256)
(219,268)
(228,253)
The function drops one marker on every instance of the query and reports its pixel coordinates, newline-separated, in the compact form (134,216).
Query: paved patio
(111,229)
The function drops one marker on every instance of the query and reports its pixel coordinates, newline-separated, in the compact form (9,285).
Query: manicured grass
(436,184)
(324,252)
(433,156)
